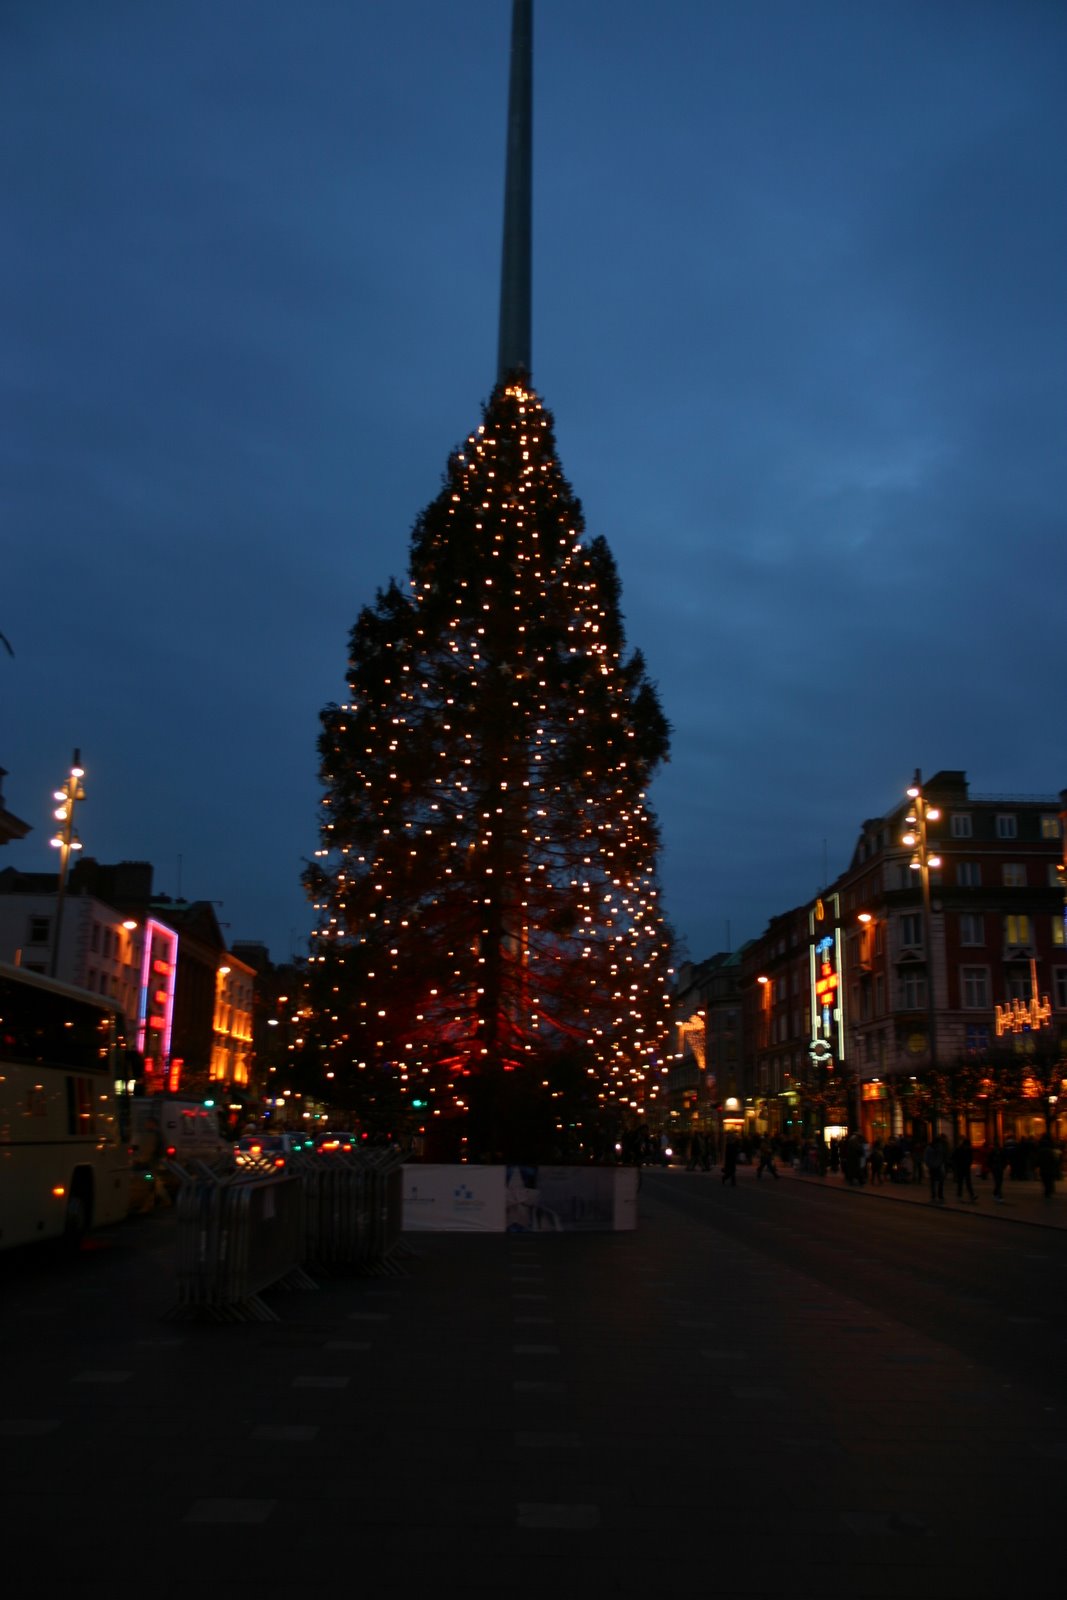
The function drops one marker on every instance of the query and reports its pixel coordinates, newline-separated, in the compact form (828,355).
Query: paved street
(783,1388)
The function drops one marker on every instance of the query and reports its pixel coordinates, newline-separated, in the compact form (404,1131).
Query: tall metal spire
(514,346)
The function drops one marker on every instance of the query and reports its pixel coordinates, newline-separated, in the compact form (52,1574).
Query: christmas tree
(490,949)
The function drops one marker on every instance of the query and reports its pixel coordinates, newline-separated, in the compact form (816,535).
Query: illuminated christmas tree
(490,949)
(487,876)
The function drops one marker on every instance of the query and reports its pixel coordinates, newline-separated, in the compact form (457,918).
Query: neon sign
(159,957)
(827,993)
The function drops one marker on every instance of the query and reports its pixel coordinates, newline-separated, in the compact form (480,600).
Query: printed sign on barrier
(519,1199)
(454,1199)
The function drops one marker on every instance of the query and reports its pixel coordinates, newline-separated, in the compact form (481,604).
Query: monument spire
(514,346)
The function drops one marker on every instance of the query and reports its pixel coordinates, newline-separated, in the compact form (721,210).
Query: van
(163,1129)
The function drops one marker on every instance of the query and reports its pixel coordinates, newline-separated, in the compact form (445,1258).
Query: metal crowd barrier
(238,1234)
(353,1209)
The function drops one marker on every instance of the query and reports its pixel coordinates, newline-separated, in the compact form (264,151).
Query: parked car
(269,1149)
(336,1143)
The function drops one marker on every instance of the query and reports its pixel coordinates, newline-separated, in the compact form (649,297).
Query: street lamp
(65,840)
(924,861)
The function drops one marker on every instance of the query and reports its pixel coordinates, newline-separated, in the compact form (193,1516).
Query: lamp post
(924,861)
(65,840)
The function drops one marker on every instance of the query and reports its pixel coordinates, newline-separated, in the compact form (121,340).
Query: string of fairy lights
(485,885)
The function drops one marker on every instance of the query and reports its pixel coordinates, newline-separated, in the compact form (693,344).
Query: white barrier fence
(242,1232)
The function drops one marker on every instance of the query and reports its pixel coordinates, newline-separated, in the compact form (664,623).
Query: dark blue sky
(800,311)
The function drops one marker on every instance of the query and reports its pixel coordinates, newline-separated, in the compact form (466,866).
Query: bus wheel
(76,1223)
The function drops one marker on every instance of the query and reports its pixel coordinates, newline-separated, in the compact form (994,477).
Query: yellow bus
(64,1158)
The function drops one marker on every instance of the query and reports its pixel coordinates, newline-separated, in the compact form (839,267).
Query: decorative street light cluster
(924,861)
(1025,1016)
(65,840)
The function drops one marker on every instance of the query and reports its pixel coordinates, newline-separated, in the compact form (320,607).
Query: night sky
(800,312)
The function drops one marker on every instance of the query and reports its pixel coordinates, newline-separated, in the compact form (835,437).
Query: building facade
(188,1003)
(926,986)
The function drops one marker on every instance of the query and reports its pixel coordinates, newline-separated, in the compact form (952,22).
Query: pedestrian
(1014,1158)
(995,1163)
(1048,1160)
(876,1161)
(729,1162)
(962,1157)
(893,1152)
(934,1162)
(853,1159)
(766,1160)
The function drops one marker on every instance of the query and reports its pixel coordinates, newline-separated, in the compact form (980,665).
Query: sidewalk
(1024,1199)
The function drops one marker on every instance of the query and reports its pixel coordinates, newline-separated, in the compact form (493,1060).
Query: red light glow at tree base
(486,878)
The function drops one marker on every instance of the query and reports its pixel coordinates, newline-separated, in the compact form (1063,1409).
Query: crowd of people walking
(933,1160)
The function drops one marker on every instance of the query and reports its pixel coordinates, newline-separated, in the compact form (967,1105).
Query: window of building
(972,928)
(969,874)
(1014,874)
(1055,875)
(960,825)
(1059,932)
(94,938)
(977,1039)
(974,988)
(912,991)
(1059,987)
(879,995)
(911,930)
(38,930)
(1007,827)
(1017,929)
(1050,826)
(1018,987)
